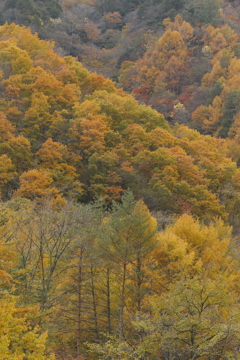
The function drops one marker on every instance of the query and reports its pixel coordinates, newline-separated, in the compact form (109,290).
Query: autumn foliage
(68,133)
(82,164)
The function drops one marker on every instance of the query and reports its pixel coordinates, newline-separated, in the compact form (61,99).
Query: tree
(16,148)
(154,69)
(34,11)
(55,159)
(80,313)
(191,248)
(18,338)
(192,310)
(127,239)
(231,108)
(197,318)
(7,173)
(180,25)
(36,184)
(113,18)
(203,12)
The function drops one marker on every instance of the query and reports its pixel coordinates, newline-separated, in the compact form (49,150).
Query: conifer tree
(127,238)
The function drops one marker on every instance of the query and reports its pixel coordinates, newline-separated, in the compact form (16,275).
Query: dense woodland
(119,179)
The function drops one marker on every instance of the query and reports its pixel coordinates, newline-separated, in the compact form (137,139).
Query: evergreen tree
(127,238)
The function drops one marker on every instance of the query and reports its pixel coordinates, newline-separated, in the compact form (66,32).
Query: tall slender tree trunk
(79,318)
(108,302)
(122,302)
(139,284)
(41,259)
(94,305)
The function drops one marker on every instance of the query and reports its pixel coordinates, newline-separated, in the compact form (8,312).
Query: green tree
(231,108)
(202,11)
(197,318)
(127,239)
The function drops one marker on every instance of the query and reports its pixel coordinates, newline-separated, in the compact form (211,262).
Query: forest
(119,180)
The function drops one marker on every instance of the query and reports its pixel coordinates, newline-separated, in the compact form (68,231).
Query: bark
(94,305)
(122,303)
(79,319)
(108,302)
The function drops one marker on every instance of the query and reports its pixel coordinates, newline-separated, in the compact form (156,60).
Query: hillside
(123,40)
(105,33)
(70,133)
(119,221)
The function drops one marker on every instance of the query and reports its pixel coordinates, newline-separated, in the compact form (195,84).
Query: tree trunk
(122,303)
(79,303)
(94,305)
(139,284)
(108,302)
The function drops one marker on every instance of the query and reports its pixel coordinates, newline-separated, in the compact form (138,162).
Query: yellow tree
(7,173)
(170,44)
(16,148)
(218,38)
(36,184)
(192,310)
(190,247)
(18,339)
(207,118)
(55,159)
(180,25)
(197,311)
(154,69)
